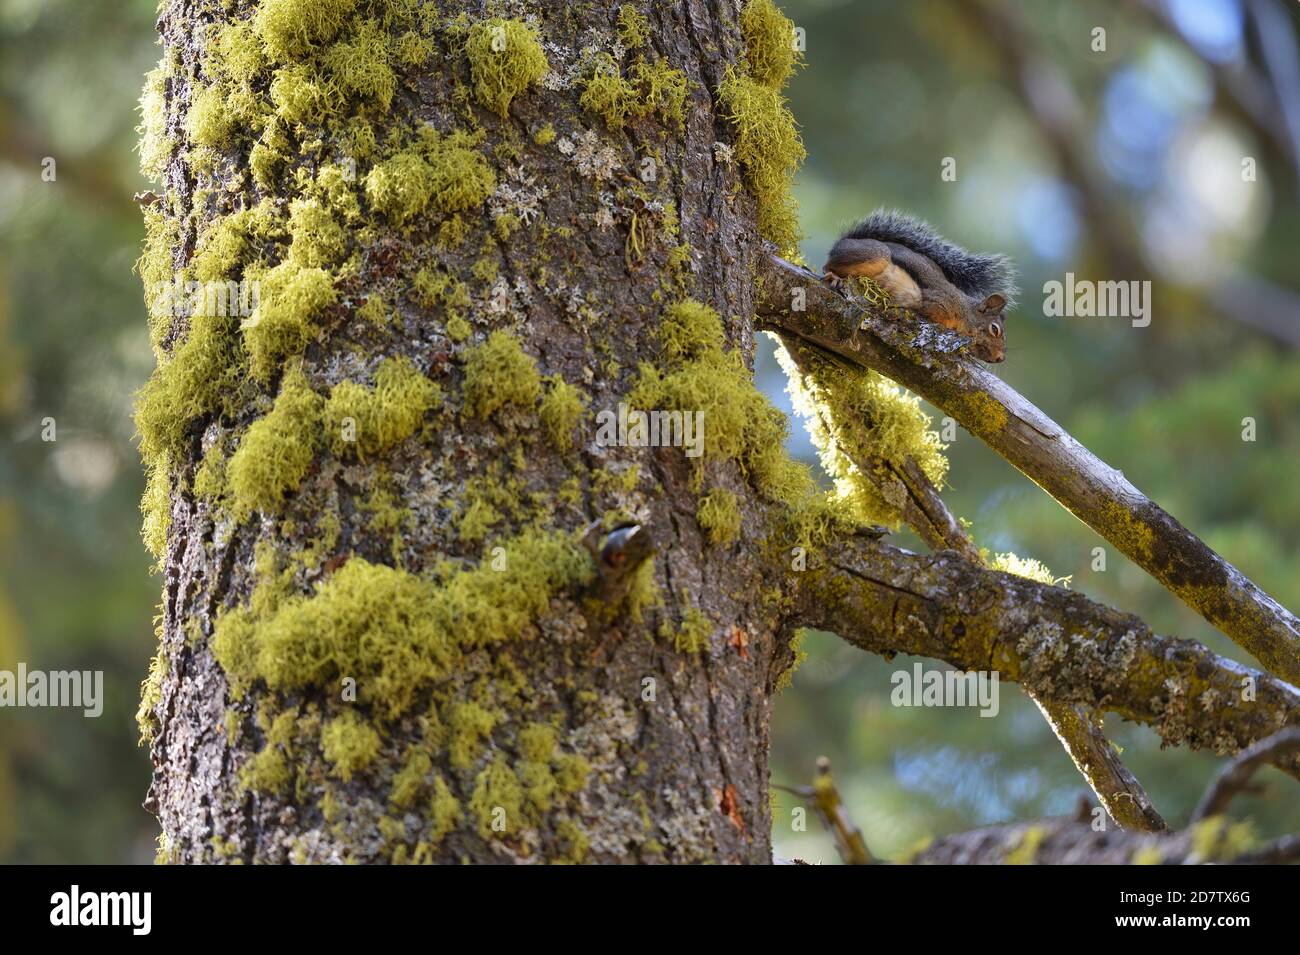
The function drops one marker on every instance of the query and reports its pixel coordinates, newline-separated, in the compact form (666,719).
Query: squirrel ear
(994,303)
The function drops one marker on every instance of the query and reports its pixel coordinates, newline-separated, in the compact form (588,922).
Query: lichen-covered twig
(825,798)
(925,358)
(1236,777)
(926,513)
(1209,836)
(1056,643)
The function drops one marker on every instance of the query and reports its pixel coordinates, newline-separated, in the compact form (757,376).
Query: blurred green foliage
(889,91)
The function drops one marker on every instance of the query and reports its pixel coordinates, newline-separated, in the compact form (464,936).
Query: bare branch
(926,359)
(1236,776)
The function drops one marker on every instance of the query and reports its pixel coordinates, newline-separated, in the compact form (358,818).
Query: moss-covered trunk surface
(465,233)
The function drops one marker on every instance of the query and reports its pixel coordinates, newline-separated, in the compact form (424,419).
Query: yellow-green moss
(544,136)
(155,506)
(476,520)
(318,241)
(154,267)
(693,634)
(606,93)
(210,475)
(769,150)
(350,743)
(1023,567)
(210,120)
(441,173)
(237,52)
(499,373)
(718,514)
(769,43)
(741,425)
(855,416)
(269,770)
(633,28)
(662,89)
(537,742)
(444,811)
(275,453)
(191,383)
(362,65)
(560,411)
(458,329)
(471,725)
(650,87)
(155,146)
(391,631)
(505,58)
(690,330)
(303,95)
(291,28)
(1026,849)
(291,298)
(497,788)
(146,719)
(374,311)
(369,421)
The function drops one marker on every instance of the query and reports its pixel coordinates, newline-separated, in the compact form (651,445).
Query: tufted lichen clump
(444,174)
(394,632)
(369,421)
(649,87)
(291,28)
(292,296)
(560,411)
(741,425)
(771,53)
(499,373)
(275,453)
(768,145)
(349,743)
(719,515)
(855,416)
(505,58)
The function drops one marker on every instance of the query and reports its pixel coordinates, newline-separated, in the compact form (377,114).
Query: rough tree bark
(419,603)
(653,715)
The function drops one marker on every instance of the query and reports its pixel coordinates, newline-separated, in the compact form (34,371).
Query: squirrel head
(990,341)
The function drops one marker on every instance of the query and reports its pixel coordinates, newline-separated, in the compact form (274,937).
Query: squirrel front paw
(836,282)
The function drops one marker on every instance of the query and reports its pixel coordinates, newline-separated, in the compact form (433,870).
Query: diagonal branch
(1056,643)
(926,513)
(1237,776)
(925,358)
(1207,839)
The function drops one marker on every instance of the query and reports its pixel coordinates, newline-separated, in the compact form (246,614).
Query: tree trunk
(381,636)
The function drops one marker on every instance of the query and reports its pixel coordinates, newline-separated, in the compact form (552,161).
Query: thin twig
(1236,777)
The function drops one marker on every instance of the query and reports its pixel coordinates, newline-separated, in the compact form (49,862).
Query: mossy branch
(928,360)
(926,513)
(1056,643)
(1209,837)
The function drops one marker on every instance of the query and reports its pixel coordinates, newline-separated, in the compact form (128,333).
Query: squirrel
(923,271)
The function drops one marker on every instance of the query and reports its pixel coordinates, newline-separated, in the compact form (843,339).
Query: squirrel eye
(995,329)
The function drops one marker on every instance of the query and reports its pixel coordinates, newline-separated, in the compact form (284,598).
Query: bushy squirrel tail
(975,274)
